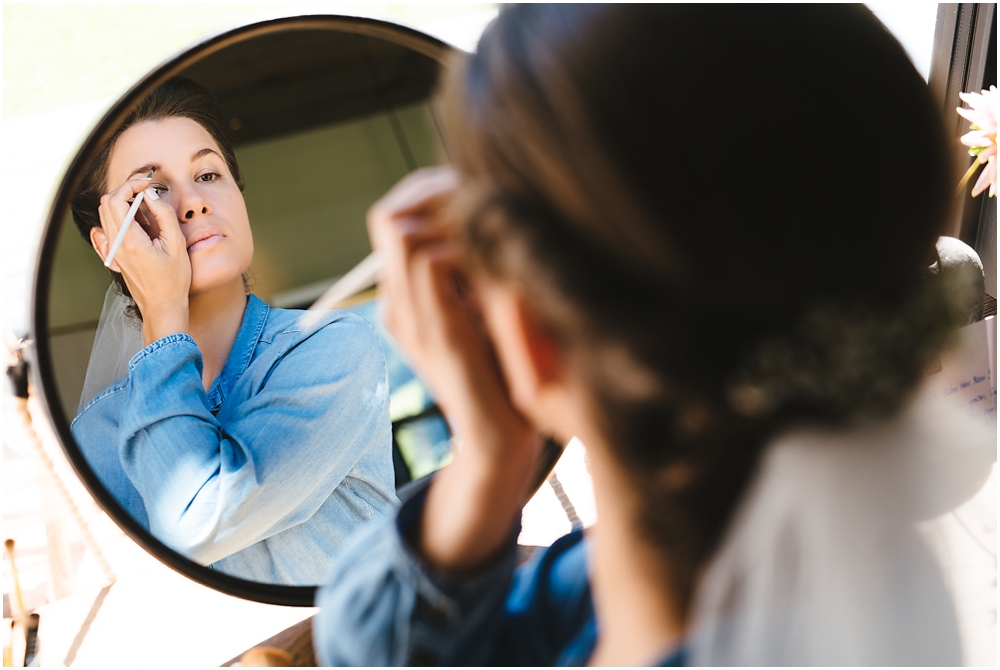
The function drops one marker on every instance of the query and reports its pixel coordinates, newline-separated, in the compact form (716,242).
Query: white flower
(982,137)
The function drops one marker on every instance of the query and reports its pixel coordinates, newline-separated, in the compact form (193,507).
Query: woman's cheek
(249,257)
(245,233)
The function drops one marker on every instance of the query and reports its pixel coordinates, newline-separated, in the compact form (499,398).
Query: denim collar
(254,318)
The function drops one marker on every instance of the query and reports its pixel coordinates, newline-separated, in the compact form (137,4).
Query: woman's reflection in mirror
(232,436)
(694,237)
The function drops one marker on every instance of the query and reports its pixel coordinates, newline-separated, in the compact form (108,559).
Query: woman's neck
(214,320)
(632,601)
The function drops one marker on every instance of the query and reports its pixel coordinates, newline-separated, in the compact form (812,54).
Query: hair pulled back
(176,97)
(722,214)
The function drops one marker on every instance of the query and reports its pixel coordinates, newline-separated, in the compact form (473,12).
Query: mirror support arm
(18,375)
(18,371)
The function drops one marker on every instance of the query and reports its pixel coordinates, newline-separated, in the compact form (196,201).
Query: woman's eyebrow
(202,152)
(143,169)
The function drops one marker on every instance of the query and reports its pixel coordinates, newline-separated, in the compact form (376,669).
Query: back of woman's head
(722,214)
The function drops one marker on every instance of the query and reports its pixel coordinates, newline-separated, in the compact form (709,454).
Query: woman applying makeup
(234,438)
(697,237)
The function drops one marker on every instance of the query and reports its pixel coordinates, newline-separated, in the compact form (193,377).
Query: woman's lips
(209,241)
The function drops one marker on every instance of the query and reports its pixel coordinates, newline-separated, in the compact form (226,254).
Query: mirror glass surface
(325,116)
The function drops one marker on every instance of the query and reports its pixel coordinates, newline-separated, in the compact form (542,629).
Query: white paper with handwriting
(968,375)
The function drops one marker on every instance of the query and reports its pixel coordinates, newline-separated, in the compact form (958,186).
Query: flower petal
(976,138)
(968,113)
(988,177)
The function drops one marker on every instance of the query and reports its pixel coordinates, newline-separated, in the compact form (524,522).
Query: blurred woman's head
(179,130)
(721,217)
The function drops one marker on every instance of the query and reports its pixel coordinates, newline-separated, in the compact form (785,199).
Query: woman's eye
(208,176)
(159,190)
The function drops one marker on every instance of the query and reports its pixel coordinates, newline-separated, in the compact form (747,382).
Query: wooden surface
(296,641)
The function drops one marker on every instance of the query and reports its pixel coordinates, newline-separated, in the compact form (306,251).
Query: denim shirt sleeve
(383,606)
(213,486)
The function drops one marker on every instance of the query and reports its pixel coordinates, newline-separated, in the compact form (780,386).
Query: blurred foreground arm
(432,310)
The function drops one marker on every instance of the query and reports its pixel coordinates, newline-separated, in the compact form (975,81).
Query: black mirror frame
(42,363)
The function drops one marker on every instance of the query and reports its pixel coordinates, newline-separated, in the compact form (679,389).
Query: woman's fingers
(115,206)
(153,255)
(421,193)
(429,303)
(153,220)
(129,189)
(400,224)
(404,220)
(426,189)
(424,291)
(442,335)
(135,242)
(163,223)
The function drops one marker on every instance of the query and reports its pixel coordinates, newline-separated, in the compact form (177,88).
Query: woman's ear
(540,346)
(100,243)
(527,352)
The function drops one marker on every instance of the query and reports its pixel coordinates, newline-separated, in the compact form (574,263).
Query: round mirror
(325,114)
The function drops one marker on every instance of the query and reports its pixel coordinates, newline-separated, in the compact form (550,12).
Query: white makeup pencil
(363,275)
(128,222)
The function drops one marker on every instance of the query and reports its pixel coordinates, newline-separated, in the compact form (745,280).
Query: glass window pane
(912,23)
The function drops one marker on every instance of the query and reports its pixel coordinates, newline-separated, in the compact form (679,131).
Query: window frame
(964,59)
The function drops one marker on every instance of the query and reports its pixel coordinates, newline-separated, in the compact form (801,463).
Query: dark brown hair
(722,214)
(177,97)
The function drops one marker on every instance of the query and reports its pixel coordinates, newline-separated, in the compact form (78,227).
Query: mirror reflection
(233,436)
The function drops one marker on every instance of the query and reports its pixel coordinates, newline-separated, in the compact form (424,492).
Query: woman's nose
(192,203)
(189,214)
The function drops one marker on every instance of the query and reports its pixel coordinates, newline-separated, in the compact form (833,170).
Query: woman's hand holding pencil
(129,218)
(151,255)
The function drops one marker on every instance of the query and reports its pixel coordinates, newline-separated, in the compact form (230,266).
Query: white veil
(830,559)
(117,340)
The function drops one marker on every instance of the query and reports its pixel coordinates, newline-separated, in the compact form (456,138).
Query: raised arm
(432,310)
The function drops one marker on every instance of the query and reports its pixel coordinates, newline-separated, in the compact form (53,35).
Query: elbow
(201,552)
(362,603)
(196,538)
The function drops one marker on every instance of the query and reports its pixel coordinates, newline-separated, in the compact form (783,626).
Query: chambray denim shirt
(267,474)
(382,605)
